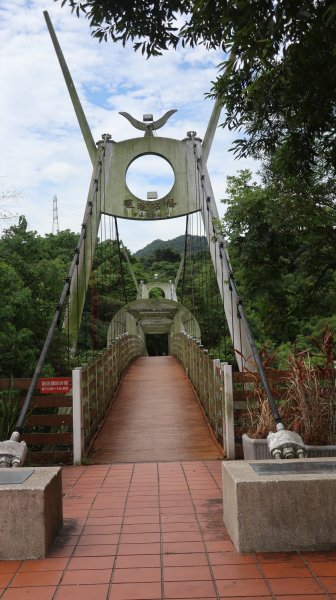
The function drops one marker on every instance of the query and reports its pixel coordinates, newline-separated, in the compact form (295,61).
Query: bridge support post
(203,395)
(216,395)
(78,441)
(189,349)
(192,358)
(197,370)
(228,411)
(207,374)
(196,361)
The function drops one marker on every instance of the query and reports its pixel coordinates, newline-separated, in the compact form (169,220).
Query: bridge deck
(155,416)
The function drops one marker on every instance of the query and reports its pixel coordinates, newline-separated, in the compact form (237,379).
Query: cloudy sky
(43,152)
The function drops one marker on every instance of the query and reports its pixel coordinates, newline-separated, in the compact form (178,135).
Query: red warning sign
(55,385)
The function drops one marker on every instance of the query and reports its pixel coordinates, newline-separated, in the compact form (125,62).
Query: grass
(311,397)
(9,412)
(307,402)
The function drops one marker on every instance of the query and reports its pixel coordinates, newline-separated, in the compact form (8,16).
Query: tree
(279,83)
(32,271)
(110,287)
(167,255)
(282,245)
(285,101)
(16,335)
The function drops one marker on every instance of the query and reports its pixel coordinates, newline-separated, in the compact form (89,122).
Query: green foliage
(32,271)
(9,412)
(125,20)
(165,270)
(16,319)
(110,287)
(167,255)
(198,291)
(177,244)
(162,264)
(282,246)
(281,243)
(270,94)
(156,293)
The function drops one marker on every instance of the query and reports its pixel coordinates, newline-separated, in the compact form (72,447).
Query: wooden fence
(224,394)
(212,381)
(48,433)
(95,385)
(59,428)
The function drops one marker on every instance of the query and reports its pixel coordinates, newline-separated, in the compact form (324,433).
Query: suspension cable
(185,257)
(65,292)
(120,262)
(249,335)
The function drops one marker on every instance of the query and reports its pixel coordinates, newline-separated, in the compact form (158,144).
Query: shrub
(307,401)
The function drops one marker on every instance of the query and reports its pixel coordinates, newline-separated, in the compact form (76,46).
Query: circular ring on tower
(150,176)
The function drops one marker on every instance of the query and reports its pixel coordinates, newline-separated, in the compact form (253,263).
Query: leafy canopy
(32,271)
(282,246)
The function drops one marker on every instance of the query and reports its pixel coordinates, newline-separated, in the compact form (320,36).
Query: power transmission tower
(55,225)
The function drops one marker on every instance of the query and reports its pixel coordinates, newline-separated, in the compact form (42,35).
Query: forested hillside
(281,239)
(176,244)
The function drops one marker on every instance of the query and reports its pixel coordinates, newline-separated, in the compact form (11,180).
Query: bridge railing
(212,381)
(228,397)
(48,427)
(94,387)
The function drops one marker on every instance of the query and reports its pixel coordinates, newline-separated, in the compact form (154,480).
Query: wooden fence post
(77,421)
(228,415)
(215,392)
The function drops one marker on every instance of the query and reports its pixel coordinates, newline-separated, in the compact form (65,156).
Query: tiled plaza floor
(152,531)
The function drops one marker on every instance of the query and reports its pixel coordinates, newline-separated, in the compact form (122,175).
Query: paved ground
(155,416)
(152,531)
(137,530)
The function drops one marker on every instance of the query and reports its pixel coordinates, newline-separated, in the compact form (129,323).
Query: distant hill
(178,243)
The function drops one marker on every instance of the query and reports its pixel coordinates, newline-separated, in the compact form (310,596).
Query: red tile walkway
(152,531)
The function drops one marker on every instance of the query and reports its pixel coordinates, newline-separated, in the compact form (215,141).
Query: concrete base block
(279,512)
(31,513)
(258,449)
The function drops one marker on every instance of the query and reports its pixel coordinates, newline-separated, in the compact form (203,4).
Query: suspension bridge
(144,400)
(105,321)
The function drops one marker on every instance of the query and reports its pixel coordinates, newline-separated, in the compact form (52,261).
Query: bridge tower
(191,192)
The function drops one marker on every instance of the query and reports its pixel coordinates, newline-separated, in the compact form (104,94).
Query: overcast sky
(43,152)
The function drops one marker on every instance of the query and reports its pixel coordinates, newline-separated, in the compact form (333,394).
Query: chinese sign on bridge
(55,385)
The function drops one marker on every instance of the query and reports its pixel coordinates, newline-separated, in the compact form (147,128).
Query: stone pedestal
(31,512)
(280,511)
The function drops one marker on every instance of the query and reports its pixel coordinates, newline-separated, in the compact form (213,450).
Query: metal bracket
(286,444)
(12,452)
